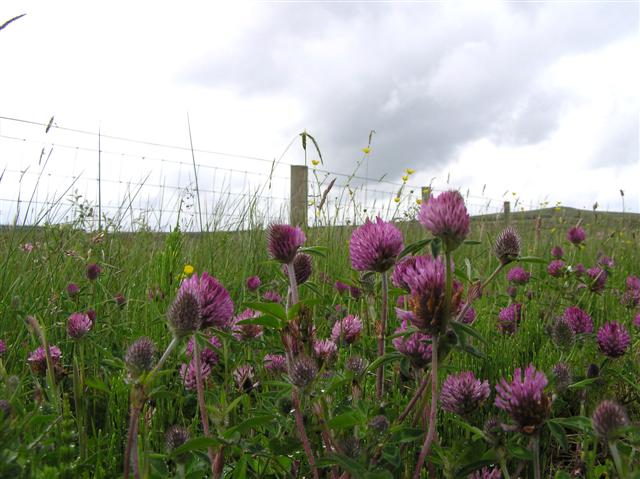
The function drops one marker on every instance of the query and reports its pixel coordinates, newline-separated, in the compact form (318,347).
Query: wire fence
(54,174)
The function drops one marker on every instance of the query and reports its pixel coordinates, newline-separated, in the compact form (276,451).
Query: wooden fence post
(299,195)
(426,193)
(507,213)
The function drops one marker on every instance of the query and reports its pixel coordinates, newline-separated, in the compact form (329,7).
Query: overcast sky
(535,98)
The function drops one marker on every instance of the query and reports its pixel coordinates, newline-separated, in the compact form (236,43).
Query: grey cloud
(428,78)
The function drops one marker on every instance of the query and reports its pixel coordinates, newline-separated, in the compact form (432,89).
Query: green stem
(503,467)
(535,446)
(204,416)
(381,336)
(174,342)
(292,281)
(617,460)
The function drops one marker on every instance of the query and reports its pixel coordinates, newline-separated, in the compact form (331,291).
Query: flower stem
(482,286)
(434,410)
(292,281)
(303,433)
(381,336)
(134,416)
(503,467)
(163,359)
(204,417)
(617,460)
(535,446)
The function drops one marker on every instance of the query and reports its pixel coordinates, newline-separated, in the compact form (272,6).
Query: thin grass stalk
(306,445)
(433,413)
(132,436)
(535,449)
(204,417)
(381,336)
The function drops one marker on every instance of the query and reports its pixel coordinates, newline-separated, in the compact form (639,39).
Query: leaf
(413,248)
(409,434)
(582,384)
(472,242)
(352,467)
(578,423)
(266,320)
(467,329)
(559,434)
(196,444)
(98,384)
(519,452)
(382,360)
(467,348)
(249,424)
(532,259)
(273,309)
(562,475)
(435,247)
(379,474)
(320,251)
(345,420)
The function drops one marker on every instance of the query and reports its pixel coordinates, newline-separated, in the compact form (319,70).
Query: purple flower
(524,399)
(509,317)
(302,266)
(215,303)
(341,287)
(324,349)
(556,268)
(598,277)
(426,281)
(284,241)
(613,339)
(72,289)
(469,317)
(608,418)
(253,283)
(402,301)
(606,262)
(579,320)
(463,394)
(207,355)
(245,332)
(243,375)
(184,314)
(636,321)
(355,292)
(188,374)
(633,283)
(375,246)
(579,270)
(507,246)
(78,325)
(3,348)
(576,235)
(38,360)
(512,291)
(93,271)
(275,363)
(272,297)
(486,473)
(120,299)
(416,346)
(446,217)
(518,275)
(302,371)
(346,330)
(401,270)
(140,357)
(557,252)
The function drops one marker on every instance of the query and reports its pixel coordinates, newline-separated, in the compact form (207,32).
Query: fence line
(244,197)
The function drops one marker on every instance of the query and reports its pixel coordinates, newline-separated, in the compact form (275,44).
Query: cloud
(429,78)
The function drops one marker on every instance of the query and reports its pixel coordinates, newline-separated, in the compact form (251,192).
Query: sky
(536,101)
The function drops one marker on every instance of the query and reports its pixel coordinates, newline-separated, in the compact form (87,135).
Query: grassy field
(76,424)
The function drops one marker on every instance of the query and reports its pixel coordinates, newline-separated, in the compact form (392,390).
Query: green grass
(38,440)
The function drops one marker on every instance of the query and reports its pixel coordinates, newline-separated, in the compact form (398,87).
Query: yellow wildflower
(409,171)
(419,201)
(396,199)
(366,150)
(188,269)
(405,178)
(315,162)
